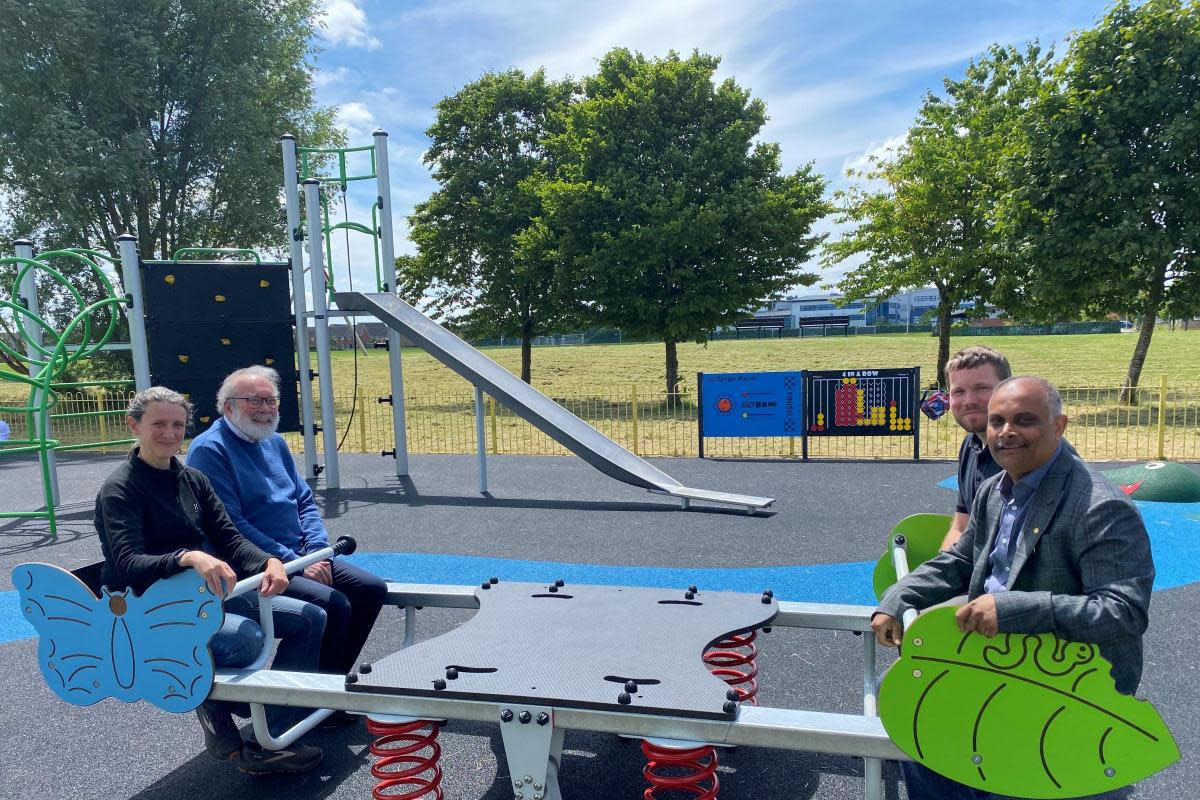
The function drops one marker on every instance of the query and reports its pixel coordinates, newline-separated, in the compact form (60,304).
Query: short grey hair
(1052,395)
(231,380)
(157,394)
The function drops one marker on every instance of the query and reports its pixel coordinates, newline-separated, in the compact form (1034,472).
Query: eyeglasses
(259,402)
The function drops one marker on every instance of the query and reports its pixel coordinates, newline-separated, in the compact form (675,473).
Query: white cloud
(863,161)
(358,122)
(346,23)
(323,78)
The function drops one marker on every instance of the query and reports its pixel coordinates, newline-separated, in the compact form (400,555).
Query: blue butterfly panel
(152,647)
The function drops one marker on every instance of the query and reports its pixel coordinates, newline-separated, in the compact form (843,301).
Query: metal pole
(1162,415)
(291,195)
(872,767)
(27,293)
(316,268)
(388,257)
(131,279)
(481,441)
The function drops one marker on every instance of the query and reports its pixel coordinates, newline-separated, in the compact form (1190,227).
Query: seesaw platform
(579,646)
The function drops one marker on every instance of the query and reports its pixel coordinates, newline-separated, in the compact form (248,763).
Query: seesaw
(676,669)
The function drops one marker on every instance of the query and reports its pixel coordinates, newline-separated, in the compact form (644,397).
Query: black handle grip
(345,546)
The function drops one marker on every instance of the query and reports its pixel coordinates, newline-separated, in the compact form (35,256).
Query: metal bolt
(506,715)
(553,589)
(537,796)
(524,717)
(918,641)
(916,673)
(451,673)
(485,585)
(1110,772)
(693,589)
(439,684)
(528,779)
(768,630)
(729,707)
(977,759)
(493,580)
(537,787)
(559,582)
(352,677)
(731,694)
(624,699)
(542,719)
(365,668)
(631,686)
(768,593)
(689,595)
(517,785)
(766,599)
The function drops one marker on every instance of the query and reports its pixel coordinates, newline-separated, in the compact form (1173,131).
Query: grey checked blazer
(1082,570)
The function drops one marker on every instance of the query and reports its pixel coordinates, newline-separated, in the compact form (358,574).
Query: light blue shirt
(4,432)
(1015,500)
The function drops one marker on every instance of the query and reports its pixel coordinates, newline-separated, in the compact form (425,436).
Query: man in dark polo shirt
(972,374)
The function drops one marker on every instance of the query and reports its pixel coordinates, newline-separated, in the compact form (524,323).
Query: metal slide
(528,403)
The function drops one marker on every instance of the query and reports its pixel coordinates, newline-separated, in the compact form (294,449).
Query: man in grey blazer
(1050,547)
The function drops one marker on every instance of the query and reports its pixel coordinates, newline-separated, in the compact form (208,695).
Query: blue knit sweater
(261,489)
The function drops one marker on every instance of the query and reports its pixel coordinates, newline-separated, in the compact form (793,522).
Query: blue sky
(841,80)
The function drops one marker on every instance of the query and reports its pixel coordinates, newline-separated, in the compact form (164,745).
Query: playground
(780,556)
(819,545)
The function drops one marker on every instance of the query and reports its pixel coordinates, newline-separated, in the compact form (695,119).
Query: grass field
(1081,360)
(619,390)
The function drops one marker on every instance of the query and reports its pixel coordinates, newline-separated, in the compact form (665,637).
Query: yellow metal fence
(1164,423)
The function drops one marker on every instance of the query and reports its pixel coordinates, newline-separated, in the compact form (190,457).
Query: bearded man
(253,472)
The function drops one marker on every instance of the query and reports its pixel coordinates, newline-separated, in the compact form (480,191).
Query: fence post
(1162,414)
(492,417)
(362,420)
(103,420)
(633,403)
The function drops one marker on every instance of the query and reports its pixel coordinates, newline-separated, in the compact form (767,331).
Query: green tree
(481,261)
(933,222)
(1106,207)
(668,215)
(160,118)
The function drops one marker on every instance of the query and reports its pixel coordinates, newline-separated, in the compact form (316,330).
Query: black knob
(451,674)
(899,540)
(624,699)
(689,595)
(506,715)
(439,684)
(766,598)
(485,585)
(768,593)
(553,589)
(524,717)
(365,667)
(732,694)
(693,589)
(345,546)
(352,677)
(493,580)
(543,718)
(729,707)
(631,686)
(560,582)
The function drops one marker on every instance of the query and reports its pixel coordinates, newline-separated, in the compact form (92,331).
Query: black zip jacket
(145,516)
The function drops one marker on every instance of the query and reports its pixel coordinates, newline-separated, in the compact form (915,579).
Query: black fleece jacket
(145,516)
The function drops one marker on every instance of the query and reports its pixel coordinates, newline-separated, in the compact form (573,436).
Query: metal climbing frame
(301,167)
(46,362)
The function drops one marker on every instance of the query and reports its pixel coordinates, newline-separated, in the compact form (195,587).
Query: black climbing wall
(204,320)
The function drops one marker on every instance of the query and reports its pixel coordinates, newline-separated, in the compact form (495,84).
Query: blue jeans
(925,784)
(298,625)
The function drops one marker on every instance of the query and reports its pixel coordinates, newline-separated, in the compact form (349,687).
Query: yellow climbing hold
(263,284)
(225,342)
(183,359)
(169,279)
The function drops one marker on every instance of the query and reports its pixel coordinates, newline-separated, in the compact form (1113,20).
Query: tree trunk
(1145,333)
(943,323)
(527,352)
(672,371)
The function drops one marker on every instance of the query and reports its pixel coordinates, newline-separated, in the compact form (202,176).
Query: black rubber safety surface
(610,648)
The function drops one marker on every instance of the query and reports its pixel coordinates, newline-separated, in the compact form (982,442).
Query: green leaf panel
(924,533)
(1018,714)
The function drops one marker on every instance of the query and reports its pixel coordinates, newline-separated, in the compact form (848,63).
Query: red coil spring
(670,769)
(406,759)
(735,660)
